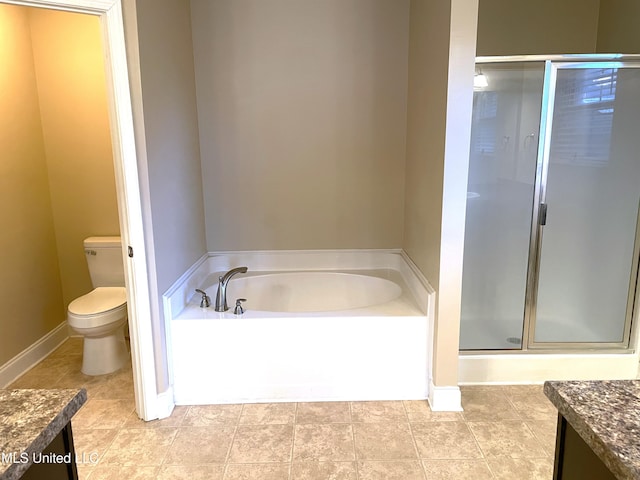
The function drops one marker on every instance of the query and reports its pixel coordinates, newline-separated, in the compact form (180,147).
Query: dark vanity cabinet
(598,432)
(57,461)
(574,459)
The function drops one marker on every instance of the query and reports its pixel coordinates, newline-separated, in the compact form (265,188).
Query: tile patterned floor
(505,432)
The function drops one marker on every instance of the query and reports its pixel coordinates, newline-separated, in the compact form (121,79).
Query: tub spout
(223,280)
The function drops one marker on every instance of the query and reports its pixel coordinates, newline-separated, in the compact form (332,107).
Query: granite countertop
(606,414)
(29,420)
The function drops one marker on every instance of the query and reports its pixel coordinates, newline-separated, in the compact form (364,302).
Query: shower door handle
(543,214)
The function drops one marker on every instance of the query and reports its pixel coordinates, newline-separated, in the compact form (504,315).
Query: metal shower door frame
(552,65)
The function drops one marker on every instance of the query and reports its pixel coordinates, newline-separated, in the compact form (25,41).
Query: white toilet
(101,315)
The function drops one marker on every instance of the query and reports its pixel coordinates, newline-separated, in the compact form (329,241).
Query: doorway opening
(129,192)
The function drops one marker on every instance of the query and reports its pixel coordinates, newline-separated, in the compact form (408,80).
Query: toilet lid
(101,299)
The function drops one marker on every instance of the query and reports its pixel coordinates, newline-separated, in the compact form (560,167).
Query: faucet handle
(205,301)
(239,310)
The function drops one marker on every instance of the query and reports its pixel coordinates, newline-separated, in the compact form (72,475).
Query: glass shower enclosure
(551,239)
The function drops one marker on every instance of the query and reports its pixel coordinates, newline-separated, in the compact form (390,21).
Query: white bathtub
(342,326)
(301,292)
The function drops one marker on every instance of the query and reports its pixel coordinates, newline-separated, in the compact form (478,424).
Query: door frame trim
(130,191)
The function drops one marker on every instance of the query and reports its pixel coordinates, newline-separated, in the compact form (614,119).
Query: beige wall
(302,115)
(69,65)
(618,26)
(30,289)
(59,170)
(525,27)
(441,65)
(171,131)
(427,108)
(160,58)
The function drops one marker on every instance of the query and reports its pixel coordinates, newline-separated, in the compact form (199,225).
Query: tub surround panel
(183,290)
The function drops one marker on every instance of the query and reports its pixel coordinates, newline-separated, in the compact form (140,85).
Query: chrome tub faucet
(223,280)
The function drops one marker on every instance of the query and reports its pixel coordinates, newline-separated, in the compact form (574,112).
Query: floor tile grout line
(482,452)
(240,414)
(493,474)
(475,439)
(166,454)
(413,438)
(106,448)
(540,440)
(418,456)
(228,454)
(513,406)
(356,458)
(535,437)
(293,440)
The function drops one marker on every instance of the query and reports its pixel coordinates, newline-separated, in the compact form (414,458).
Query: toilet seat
(99,307)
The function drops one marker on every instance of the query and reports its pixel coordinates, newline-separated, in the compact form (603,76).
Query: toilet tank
(104,259)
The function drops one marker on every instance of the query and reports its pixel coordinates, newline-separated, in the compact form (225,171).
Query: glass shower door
(502,172)
(591,188)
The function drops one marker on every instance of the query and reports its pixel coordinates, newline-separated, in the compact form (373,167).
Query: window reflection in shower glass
(583,115)
(504,141)
(593,187)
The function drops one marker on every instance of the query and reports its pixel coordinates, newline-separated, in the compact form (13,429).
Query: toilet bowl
(100,317)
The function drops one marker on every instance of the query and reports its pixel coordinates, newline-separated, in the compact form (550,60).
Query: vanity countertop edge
(606,415)
(29,420)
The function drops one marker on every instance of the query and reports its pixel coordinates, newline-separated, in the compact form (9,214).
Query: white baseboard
(29,357)
(490,369)
(445,399)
